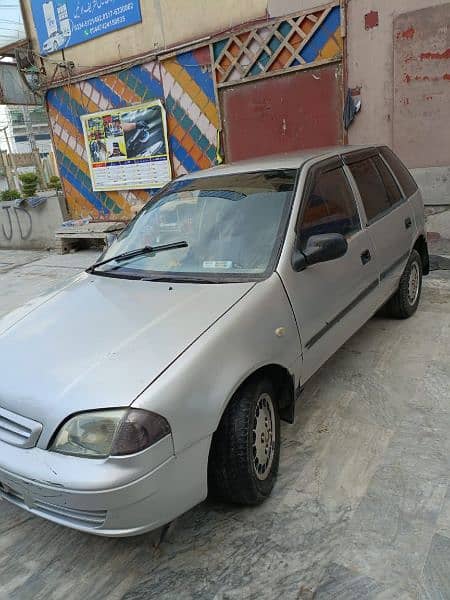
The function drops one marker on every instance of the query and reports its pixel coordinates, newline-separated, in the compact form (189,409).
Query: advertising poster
(64,23)
(128,147)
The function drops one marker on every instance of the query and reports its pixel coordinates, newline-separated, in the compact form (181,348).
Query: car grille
(61,514)
(17,430)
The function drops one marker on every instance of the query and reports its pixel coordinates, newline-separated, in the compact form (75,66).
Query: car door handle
(408,222)
(366,257)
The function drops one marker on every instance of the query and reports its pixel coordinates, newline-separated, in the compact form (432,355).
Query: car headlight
(115,432)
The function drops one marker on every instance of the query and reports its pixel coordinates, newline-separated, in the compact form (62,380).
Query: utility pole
(11,157)
(8,171)
(34,146)
(29,126)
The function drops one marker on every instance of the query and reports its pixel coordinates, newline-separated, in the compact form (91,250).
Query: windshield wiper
(138,252)
(180,279)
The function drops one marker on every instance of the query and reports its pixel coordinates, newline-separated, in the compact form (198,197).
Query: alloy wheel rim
(413,283)
(263,436)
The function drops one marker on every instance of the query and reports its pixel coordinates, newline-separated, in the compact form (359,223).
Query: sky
(11,24)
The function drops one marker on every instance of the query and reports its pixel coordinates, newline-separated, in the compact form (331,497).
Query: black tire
(403,303)
(233,461)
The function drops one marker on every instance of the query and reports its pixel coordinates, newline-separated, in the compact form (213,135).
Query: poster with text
(128,148)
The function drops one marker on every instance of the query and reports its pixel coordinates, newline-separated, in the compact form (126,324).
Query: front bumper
(124,508)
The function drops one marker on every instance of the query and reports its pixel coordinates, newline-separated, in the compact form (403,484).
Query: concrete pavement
(361,508)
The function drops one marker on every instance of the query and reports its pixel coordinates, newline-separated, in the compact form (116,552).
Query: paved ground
(361,509)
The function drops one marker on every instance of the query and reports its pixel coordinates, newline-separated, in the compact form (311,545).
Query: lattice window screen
(281,45)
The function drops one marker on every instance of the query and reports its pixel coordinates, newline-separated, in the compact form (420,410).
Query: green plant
(9,195)
(55,183)
(29,182)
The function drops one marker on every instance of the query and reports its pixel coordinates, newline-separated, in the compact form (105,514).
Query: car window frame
(397,183)
(368,153)
(402,188)
(323,166)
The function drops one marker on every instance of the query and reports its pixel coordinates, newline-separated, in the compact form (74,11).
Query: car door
(331,300)
(389,218)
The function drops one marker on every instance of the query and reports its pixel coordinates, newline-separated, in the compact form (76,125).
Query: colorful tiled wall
(185,85)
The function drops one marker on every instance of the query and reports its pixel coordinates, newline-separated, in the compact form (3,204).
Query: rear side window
(393,191)
(371,188)
(330,207)
(403,175)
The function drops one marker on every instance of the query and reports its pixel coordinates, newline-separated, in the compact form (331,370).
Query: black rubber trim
(342,314)
(394,265)
(359,155)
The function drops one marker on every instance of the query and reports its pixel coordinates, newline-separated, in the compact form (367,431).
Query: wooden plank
(305,41)
(82,236)
(295,53)
(313,65)
(103,227)
(263,47)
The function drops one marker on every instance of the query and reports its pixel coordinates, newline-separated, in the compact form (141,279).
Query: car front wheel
(245,450)
(405,301)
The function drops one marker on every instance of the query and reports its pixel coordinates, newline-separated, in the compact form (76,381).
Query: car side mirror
(319,248)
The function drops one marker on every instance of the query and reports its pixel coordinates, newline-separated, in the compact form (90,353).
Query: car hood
(99,341)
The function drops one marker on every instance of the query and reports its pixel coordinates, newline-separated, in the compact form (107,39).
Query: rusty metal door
(283,113)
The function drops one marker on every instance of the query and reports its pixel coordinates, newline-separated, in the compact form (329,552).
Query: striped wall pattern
(185,86)
(302,40)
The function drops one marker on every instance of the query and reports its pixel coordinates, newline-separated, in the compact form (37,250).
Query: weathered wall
(186,87)
(422,86)
(278,8)
(422,98)
(31,228)
(370,65)
(164,23)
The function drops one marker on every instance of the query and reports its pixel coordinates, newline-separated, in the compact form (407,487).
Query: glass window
(233,225)
(371,188)
(330,208)
(392,189)
(403,175)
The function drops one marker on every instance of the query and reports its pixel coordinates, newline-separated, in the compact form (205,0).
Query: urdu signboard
(63,23)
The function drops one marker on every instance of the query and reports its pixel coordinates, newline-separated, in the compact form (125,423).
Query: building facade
(29,129)
(242,79)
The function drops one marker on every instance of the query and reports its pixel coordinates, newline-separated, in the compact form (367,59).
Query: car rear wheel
(405,301)
(245,450)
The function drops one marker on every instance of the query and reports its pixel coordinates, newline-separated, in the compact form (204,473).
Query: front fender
(194,391)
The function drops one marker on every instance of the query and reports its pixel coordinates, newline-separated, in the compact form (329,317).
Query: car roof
(289,160)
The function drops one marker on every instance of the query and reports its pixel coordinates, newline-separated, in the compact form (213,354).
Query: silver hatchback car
(164,370)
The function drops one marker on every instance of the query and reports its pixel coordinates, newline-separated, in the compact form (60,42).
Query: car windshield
(233,226)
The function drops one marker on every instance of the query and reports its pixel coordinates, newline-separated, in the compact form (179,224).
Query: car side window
(330,207)
(403,175)
(393,191)
(371,188)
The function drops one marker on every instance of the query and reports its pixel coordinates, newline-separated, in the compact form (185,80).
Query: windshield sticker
(217,264)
